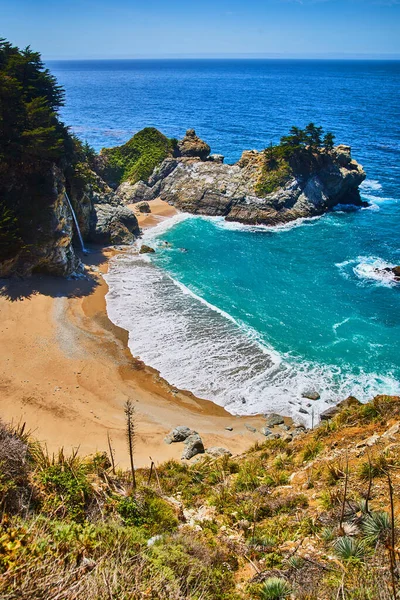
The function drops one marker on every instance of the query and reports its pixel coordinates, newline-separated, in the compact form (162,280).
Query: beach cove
(66,372)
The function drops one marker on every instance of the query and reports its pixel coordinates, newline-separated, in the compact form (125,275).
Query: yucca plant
(328,534)
(347,548)
(275,588)
(376,527)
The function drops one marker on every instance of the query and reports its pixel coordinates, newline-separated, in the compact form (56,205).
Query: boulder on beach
(218,451)
(144,207)
(274,419)
(179,434)
(193,445)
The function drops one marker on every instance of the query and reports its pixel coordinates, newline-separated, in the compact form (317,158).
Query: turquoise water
(253,317)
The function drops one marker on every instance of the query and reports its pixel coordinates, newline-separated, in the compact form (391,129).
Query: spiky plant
(275,588)
(376,527)
(347,548)
(328,534)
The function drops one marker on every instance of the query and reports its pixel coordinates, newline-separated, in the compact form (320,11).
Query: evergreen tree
(31,139)
(328,141)
(313,135)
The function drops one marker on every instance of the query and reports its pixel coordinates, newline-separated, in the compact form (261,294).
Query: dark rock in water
(184,250)
(144,207)
(334,410)
(396,272)
(217,451)
(193,445)
(146,249)
(311,395)
(179,434)
(193,146)
(274,419)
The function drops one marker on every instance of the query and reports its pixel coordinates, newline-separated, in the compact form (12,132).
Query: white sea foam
(370,185)
(222,223)
(199,347)
(371,268)
(368,270)
(165,223)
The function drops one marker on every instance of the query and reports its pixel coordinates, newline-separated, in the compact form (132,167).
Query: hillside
(307,518)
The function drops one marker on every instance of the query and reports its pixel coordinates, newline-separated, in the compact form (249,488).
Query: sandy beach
(66,370)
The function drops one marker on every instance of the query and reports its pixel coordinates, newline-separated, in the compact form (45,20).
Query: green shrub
(149,511)
(187,567)
(137,159)
(66,490)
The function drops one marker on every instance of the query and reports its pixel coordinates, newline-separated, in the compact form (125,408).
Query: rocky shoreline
(201,183)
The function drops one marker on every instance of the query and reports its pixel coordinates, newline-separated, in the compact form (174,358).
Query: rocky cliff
(52,245)
(306,185)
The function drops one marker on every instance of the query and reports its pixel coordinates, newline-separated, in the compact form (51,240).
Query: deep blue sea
(252,317)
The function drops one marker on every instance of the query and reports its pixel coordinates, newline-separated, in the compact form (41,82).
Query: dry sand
(66,371)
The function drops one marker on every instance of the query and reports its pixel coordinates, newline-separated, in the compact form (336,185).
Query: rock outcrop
(192,146)
(201,184)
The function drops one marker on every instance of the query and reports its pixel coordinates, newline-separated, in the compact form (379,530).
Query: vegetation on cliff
(311,518)
(137,159)
(36,150)
(299,152)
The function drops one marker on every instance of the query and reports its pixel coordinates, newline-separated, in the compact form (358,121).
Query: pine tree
(328,141)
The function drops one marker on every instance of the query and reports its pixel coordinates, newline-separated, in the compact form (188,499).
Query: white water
(76,223)
(198,347)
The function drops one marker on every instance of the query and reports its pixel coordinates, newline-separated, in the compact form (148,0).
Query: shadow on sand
(17,288)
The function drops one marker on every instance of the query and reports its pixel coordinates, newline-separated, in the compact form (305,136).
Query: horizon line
(233,56)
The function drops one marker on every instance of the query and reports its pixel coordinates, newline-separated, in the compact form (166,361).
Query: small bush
(149,511)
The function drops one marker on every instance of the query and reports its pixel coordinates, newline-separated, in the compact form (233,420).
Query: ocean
(253,317)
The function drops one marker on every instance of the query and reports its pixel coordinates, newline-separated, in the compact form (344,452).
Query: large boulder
(112,225)
(192,146)
(193,445)
(179,434)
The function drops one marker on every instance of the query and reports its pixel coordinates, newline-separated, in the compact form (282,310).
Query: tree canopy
(312,137)
(31,139)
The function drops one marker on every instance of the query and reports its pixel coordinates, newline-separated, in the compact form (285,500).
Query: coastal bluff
(256,189)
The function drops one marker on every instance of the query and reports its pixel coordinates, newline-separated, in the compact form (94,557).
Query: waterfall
(76,223)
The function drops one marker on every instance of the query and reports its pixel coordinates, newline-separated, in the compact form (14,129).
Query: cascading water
(76,223)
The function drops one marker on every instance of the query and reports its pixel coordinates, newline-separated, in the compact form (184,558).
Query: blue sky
(163,28)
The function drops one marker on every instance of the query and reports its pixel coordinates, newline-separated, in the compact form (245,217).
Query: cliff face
(53,246)
(205,185)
